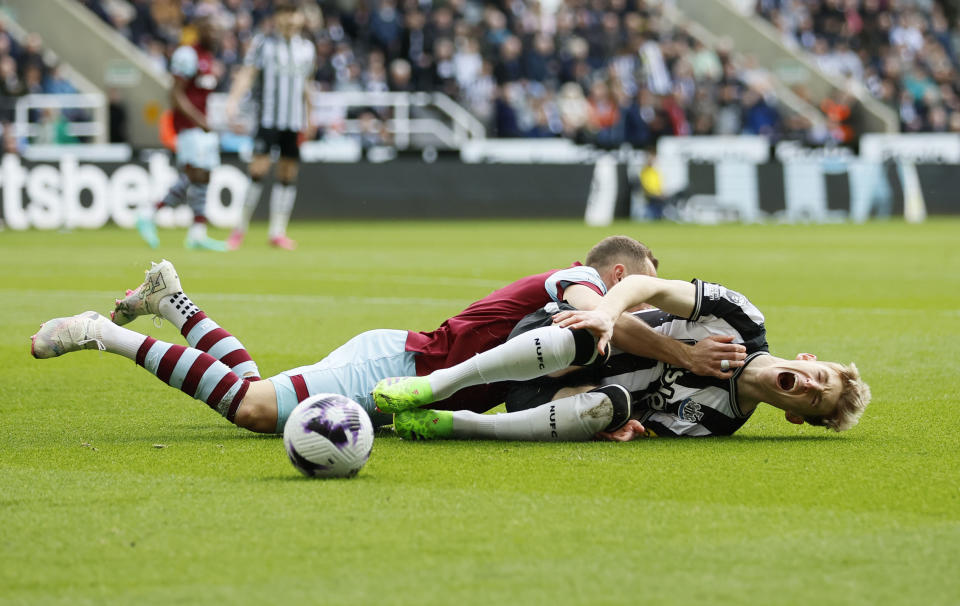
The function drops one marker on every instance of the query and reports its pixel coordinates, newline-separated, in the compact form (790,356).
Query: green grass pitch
(115,489)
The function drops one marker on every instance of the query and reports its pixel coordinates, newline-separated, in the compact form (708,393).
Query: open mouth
(786,380)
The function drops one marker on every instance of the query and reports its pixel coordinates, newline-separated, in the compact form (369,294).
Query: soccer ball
(328,436)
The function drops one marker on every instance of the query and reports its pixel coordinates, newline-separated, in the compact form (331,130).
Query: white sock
(573,419)
(282,198)
(120,340)
(177,309)
(250,202)
(527,356)
(197,230)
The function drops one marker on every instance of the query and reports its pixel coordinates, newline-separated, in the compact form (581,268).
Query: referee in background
(278,67)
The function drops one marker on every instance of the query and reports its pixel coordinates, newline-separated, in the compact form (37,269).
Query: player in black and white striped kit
(671,401)
(639,396)
(278,67)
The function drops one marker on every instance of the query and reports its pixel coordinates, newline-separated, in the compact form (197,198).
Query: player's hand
(631,431)
(706,357)
(234,122)
(597,322)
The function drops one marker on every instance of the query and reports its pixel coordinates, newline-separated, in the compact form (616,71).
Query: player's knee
(287,171)
(257,415)
(258,168)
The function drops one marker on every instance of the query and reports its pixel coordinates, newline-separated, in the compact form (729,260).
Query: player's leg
(187,155)
(207,158)
(176,195)
(257,170)
(528,355)
(162,295)
(573,417)
(284,192)
(350,370)
(190,370)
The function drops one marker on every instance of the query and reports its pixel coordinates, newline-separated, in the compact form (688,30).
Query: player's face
(805,386)
(288,23)
(208,34)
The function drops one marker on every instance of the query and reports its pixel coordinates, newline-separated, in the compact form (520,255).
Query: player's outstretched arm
(632,335)
(242,83)
(672,296)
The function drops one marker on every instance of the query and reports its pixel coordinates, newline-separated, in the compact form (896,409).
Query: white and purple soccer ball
(328,436)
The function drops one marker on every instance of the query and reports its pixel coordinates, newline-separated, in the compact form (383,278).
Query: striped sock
(177,192)
(206,335)
(196,196)
(195,373)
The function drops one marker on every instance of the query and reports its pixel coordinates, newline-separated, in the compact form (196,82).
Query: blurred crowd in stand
(904,52)
(26,69)
(603,72)
(606,72)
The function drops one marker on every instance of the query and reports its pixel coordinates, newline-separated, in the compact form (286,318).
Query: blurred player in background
(279,67)
(217,369)
(198,149)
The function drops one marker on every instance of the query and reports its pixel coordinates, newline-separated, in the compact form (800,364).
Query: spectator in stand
(904,53)
(760,117)
(603,117)
(11,87)
(574,111)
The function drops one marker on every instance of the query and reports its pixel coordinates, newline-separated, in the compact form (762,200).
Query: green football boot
(397,394)
(422,424)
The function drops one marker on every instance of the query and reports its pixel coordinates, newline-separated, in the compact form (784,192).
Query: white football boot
(161,281)
(63,335)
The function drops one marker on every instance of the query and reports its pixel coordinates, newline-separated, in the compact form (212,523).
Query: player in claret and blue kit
(217,369)
(198,148)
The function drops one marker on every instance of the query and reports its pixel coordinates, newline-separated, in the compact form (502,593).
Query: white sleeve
(183,63)
(580,274)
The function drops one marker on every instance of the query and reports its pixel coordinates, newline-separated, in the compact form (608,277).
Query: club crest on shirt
(690,410)
(736,298)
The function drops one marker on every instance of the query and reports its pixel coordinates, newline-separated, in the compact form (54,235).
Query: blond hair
(854,397)
(620,249)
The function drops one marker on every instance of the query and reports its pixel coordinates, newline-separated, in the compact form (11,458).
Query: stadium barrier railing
(79,124)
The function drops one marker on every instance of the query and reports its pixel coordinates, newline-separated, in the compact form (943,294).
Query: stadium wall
(75,194)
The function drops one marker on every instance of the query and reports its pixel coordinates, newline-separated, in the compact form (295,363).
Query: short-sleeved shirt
(195,65)
(488,323)
(283,69)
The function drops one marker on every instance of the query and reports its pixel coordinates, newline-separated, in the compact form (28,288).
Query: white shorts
(352,370)
(198,148)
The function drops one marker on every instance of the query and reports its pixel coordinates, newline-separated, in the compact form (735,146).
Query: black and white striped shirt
(284,67)
(673,401)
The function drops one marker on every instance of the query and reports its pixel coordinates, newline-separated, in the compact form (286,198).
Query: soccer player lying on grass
(217,370)
(639,396)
